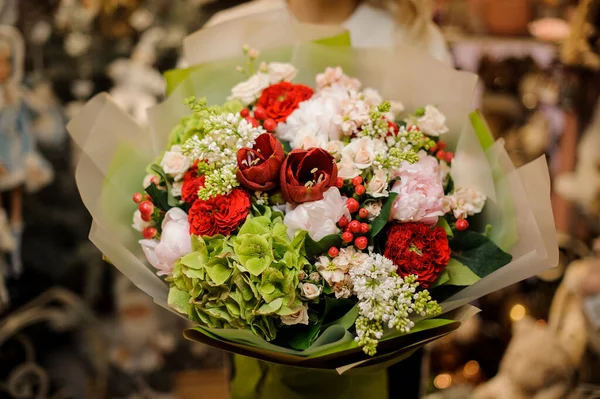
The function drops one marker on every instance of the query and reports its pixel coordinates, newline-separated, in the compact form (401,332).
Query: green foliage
(245,281)
(478,252)
(381,221)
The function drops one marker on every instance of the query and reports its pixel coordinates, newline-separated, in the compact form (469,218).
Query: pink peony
(420,191)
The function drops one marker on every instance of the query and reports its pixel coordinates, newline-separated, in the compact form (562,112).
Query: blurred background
(72,327)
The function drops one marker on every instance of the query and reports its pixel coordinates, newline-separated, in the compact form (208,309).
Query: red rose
(219,215)
(418,249)
(258,167)
(307,174)
(281,99)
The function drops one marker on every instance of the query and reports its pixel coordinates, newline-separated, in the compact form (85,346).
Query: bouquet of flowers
(310,216)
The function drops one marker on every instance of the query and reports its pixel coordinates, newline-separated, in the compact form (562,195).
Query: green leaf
(172,202)
(380,221)
(271,307)
(456,274)
(304,336)
(316,248)
(478,253)
(337,309)
(159,197)
(178,300)
(194,260)
(218,270)
(443,223)
(348,319)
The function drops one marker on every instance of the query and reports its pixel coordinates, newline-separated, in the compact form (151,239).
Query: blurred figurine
(137,84)
(20,165)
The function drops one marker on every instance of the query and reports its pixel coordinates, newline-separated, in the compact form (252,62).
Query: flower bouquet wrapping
(333,208)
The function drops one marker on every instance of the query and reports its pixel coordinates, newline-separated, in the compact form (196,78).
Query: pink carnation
(420,191)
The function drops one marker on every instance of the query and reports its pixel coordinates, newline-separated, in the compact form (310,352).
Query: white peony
(174,163)
(318,218)
(279,71)
(378,185)
(175,242)
(310,291)
(250,90)
(300,316)
(138,223)
(433,123)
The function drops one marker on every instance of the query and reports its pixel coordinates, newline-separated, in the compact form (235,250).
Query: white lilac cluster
(336,271)
(464,202)
(224,135)
(386,300)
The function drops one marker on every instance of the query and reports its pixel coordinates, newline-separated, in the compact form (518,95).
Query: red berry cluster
(438,151)
(259,114)
(355,230)
(146,208)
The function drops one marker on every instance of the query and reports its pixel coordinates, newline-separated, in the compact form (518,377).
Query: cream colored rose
(298,317)
(174,163)
(310,291)
(279,71)
(302,275)
(315,276)
(361,152)
(250,90)
(346,168)
(433,123)
(335,148)
(378,185)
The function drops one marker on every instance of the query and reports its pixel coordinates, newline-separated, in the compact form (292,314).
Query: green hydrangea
(246,281)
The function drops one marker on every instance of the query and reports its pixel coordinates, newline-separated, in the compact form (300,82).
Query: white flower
(175,242)
(318,218)
(138,223)
(298,317)
(464,202)
(306,138)
(250,90)
(314,115)
(330,271)
(301,275)
(353,115)
(362,152)
(372,97)
(347,169)
(377,186)
(176,188)
(310,291)
(315,276)
(348,258)
(433,123)
(335,148)
(343,289)
(174,163)
(336,76)
(279,71)
(374,209)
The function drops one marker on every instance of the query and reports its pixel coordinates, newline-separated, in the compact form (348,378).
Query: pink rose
(420,191)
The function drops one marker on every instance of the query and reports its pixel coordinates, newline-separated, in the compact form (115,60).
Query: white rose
(310,291)
(346,168)
(433,123)
(279,71)
(377,186)
(249,90)
(318,218)
(174,163)
(138,223)
(315,276)
(176,188)
(175,242)
(335,148)
(298,317)
(361,152)
(374,209)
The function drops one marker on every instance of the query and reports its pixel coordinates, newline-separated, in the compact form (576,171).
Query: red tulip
(307,174)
